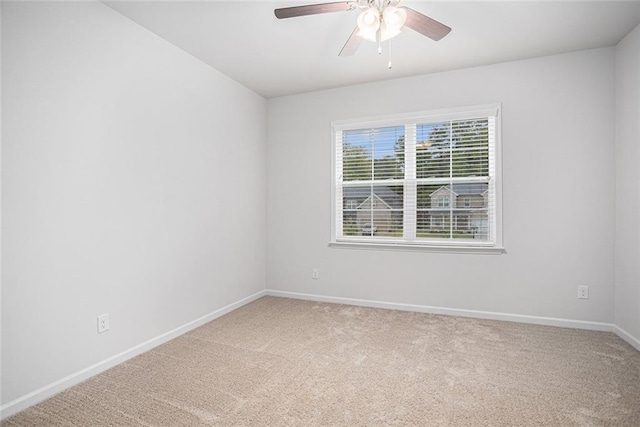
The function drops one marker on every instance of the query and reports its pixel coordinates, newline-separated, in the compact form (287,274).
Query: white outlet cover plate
(583,292)
(103,323)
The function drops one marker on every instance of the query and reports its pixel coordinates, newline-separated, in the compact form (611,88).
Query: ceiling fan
(378,21)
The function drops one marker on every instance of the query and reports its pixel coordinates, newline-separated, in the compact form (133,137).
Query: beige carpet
(285,362)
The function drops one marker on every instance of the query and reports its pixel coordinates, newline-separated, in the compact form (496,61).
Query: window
(442,202)
(421,180)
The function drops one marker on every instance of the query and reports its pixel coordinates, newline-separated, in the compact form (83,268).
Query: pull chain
(389,53)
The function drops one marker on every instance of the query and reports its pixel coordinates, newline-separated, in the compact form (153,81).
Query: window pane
(458,148)
(470,148)
(433,150)
(373,154)
(433,213)
(452,211)
(373,210)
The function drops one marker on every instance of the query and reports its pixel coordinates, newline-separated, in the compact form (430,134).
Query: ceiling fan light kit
(378,21)
(389,22)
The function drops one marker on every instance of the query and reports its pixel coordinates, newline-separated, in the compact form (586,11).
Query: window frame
(409,120)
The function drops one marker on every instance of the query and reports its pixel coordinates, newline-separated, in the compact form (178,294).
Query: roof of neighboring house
(470,189)
(384,193)
(442,190)
(367,204)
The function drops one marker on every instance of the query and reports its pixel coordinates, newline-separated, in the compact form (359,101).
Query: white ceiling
(275,57)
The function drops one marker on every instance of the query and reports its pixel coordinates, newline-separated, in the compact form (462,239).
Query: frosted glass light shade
(387,33)
(369,23)
(394,17)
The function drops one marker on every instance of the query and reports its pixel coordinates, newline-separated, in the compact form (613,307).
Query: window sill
(459,249)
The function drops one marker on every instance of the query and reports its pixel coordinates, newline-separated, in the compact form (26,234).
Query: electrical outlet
(315,274)
(583,292)
(103,323)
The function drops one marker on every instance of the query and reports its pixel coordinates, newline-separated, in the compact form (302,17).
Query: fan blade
(313,9)
(352,44)
(425,25)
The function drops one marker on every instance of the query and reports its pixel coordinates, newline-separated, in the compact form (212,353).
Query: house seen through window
(424,179)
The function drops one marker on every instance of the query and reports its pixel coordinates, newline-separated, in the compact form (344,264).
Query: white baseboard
(633,341)
(519,318)
(47,391)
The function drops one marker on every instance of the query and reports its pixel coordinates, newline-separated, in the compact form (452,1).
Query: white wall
(132,183)
(558,169)
(627,249)
(0,204)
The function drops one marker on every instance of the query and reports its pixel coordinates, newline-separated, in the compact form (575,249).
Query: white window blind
(422,179)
